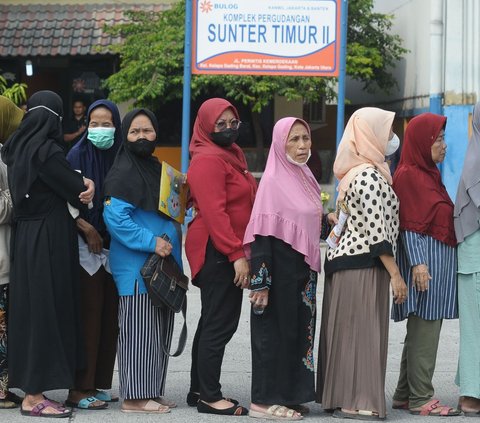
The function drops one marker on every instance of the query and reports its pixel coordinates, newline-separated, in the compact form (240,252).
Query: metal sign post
(187,77)
(342,72)
(268,37)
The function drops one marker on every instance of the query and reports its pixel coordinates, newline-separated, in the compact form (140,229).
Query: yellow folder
(173,193)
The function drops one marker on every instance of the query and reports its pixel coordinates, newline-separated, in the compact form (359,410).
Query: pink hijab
(288,204)
(363,145)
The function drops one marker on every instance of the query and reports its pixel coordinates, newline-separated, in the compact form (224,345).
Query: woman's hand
(332,219)
(421,276)
(94,240)
(259,298)
(399,288)
(163,248)
(242,273)
(87,196)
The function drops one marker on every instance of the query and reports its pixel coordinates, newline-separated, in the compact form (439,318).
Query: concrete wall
(462,82)
(462,47)
(411,23)
(284,108)
(457,133)
(460,71)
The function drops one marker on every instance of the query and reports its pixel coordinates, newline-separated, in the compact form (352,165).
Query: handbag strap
(182,340)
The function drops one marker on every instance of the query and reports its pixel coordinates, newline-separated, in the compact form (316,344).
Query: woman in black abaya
(43,320)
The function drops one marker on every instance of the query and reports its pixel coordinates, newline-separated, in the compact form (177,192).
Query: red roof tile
(59,29)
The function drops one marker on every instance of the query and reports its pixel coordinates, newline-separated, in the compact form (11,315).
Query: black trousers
(221,307)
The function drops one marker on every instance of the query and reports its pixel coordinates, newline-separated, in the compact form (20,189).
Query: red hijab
(425,206)
(201,143)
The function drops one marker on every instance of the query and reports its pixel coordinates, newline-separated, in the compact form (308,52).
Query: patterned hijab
(466,213)
(363,145)
(288,204)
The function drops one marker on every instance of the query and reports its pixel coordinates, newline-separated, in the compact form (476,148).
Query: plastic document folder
(173,193)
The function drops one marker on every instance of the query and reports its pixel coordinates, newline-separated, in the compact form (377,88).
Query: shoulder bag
(167,287)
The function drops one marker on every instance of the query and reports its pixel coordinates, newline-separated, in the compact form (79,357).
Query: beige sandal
(276,412)
(150,407)
(164,401)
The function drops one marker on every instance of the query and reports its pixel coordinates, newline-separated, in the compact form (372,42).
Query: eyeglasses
(221,125)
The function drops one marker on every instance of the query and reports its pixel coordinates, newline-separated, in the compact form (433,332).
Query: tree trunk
(259,147)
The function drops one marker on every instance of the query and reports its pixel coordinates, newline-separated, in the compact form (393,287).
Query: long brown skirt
(353,340)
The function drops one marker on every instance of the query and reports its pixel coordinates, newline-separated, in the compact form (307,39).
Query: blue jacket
(134,231)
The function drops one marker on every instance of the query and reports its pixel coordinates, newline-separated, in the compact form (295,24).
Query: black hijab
(132,178)
(38,137)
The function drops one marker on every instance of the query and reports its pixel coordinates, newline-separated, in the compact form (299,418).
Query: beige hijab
(362,146)
(10,118)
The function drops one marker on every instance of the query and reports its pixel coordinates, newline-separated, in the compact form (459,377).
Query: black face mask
(142,147)
(225,138)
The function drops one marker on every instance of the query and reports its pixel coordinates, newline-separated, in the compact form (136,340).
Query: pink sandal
(445,410)
(38,410)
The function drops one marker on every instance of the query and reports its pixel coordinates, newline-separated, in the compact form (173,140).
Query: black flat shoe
(235,410)
(193,398)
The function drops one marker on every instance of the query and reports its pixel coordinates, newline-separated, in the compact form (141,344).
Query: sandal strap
(445,411)
(103,396)
(280,411)
(367,413)
(271,410)
(427,408)
(151,405)
(290,412)
(37,410)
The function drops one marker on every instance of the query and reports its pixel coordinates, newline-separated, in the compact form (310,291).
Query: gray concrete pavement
(236,376)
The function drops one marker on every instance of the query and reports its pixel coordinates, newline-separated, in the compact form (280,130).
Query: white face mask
(392,145)
(289,159)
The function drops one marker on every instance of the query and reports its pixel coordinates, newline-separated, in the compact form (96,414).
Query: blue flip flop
(105,397)
(86,404)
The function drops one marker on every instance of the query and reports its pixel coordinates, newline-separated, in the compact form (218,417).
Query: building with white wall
(440,73)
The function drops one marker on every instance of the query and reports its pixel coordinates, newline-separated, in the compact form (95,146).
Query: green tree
(372,50)
(15,92)
(151,67)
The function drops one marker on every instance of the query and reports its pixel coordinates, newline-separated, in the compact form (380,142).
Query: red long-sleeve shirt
(223,199)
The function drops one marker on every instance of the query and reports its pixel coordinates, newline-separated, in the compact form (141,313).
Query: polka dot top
(372,227)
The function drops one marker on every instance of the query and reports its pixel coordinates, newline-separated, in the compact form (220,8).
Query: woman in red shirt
(223,192)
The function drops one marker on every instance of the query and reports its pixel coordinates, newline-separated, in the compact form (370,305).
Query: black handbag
(167,287)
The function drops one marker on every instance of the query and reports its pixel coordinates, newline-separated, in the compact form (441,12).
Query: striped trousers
(142,364)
